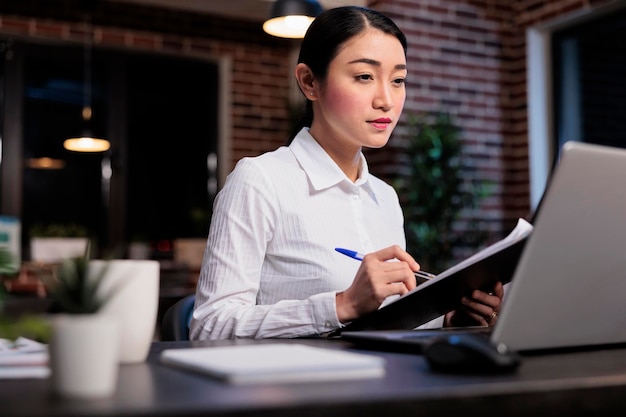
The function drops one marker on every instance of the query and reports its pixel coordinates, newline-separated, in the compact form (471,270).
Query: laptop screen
(570,283)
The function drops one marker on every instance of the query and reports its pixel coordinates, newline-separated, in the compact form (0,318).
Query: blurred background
(182,89)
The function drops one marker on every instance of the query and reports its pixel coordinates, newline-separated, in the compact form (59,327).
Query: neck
(347,158)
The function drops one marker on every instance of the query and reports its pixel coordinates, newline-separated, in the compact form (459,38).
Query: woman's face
(361,99)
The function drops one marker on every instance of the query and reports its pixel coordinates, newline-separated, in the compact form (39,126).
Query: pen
(359,257)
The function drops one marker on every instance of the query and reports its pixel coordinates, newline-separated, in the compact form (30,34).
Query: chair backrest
(175,325)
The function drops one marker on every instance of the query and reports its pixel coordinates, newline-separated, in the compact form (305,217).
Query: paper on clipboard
(443,293)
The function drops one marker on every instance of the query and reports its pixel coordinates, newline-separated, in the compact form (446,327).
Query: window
(160,114)
(576,79)
(590,81)
(172,119)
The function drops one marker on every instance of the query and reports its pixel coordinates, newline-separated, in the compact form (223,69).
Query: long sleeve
(244,222)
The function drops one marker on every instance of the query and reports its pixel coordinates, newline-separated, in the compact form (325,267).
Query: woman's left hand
(481,308)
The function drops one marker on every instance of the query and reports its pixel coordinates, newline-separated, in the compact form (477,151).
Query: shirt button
(327,324)
(355,196)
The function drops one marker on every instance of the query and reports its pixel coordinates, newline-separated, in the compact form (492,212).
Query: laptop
(569,286)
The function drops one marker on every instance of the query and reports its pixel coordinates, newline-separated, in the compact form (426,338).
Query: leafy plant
(58,230)
(434,188)
(5,267)
(6,262)
(29,326)
(73,289)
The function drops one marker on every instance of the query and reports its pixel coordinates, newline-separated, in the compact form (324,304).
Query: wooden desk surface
(573,384)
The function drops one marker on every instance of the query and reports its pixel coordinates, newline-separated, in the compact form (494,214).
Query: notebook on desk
(569,286)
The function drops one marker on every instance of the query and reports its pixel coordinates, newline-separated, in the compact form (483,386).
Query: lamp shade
(291,18)
(86,144)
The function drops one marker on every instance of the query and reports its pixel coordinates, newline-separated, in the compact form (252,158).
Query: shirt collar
(322,171)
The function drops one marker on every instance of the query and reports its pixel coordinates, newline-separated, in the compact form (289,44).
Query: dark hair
(328,32)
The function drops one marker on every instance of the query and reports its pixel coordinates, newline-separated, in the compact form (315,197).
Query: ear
(306,81)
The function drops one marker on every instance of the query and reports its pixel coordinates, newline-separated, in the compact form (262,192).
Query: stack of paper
(275,362)
(23,358)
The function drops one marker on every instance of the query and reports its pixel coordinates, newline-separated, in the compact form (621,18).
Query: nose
(383,99)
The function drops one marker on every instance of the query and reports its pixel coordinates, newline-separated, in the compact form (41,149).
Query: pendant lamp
(86,142)
(291,18)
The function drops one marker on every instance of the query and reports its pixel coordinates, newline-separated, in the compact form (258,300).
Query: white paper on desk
(275,362)
(19,346)
(23,358)
(24,372)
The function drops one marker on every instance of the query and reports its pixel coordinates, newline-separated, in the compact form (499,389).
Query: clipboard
(443,294)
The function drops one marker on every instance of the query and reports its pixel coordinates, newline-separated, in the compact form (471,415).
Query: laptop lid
(569,287)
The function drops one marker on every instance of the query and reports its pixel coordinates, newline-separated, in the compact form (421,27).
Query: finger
(394,288)
(479,318)
(480,312)
(481,309)
(400,272)
(386,261)
(483,320)
(394,252)
(449,317)
(492,301)
(498,290)
(493,318)
(402,288)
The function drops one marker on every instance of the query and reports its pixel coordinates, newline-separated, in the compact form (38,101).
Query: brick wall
(466,57)
(463,59)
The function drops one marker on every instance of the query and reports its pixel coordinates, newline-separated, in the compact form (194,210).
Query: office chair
(175,325)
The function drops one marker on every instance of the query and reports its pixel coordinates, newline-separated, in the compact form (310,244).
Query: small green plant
(6,262)
(5,268)
(29,326)
(73,289)
(58,230)
(434,188)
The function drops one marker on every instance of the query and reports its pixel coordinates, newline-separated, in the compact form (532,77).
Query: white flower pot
(56,249)
(133,286)
(84,355)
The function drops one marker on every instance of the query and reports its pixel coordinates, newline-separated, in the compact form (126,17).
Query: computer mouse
(470,353)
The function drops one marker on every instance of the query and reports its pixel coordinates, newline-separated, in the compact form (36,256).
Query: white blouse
(270,268)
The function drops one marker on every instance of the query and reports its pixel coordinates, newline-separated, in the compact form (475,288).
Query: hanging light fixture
(87,142)
(291,18)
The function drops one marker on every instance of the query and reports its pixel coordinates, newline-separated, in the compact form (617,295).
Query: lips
(380,123)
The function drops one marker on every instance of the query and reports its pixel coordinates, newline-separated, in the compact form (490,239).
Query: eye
(364,77)
(399,81)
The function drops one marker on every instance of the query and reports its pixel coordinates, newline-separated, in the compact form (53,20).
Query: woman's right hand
(376,280)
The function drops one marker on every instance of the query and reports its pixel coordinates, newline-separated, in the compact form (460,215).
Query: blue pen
(359,257)
(351,253)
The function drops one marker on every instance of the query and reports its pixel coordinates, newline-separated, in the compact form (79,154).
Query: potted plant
(436,185)
(125,290)
(84,342)
(53,243)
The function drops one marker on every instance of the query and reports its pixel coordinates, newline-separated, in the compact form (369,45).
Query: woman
(270,268)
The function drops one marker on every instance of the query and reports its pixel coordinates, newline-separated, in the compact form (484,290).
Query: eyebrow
(374,63)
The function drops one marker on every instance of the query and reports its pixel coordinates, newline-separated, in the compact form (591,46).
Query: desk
(571,384)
